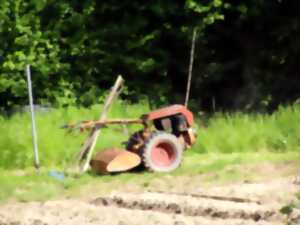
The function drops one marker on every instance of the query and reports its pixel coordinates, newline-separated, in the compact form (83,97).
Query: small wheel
(162,152)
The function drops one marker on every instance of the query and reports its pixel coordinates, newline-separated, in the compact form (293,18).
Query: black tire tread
(167,136)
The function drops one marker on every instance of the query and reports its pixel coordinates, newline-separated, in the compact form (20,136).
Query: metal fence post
(34,133)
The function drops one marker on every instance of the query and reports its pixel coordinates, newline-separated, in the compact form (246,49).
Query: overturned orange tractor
(159,146)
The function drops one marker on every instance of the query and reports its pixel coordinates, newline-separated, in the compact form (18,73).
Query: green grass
(27,185)
(222,133)
(240,132)
(225,143)
(56,146)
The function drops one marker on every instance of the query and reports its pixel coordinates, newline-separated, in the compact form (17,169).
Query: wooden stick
(187,95)
(87,149)
(216,197)
(96,131)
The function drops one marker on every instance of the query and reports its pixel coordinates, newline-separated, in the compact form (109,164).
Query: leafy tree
(246,55)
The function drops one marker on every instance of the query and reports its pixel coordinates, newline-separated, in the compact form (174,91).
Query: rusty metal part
(114,160)
(137,140)
(85,125)
(170,111)
(189,137)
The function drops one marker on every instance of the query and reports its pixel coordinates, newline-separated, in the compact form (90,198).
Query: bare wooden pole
(214,104)
(188,87)
(88,147)
(33,127)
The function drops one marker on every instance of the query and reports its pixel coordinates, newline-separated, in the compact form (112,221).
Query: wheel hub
(163,154)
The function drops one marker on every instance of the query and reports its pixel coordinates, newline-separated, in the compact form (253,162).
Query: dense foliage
(246,55)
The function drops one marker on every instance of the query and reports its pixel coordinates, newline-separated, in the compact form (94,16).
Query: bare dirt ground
(187,202)
(247,203)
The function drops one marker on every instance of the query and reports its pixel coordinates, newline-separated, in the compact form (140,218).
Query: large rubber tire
(162,152)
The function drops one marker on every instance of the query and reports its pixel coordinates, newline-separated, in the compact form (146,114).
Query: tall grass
(238,132)
(224,133)
(56,146)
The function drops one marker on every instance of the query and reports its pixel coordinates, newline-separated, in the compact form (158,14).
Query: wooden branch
(187,94)
(87,149)
(95,132)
